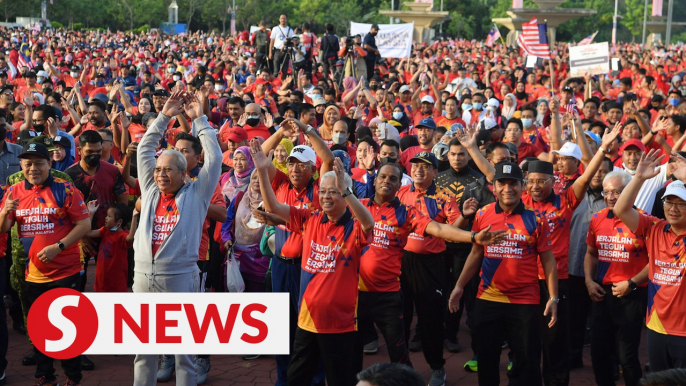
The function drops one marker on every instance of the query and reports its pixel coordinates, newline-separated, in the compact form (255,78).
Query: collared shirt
(646,195)
(558,210)
(621,255)
(509,272)
(435,203)
(380,263)
(45,215)
(330,270)
(563,182)
(666,313)
(290,245)
(9,160)
(581,219)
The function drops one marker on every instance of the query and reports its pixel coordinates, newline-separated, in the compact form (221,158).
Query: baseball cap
(632,142)
(63,141)
(493,102)
(428,123)
(677,189)
(428,99)
(593,136)
(569,149)
(34,149)
(404,88)
(539,166)
(160,92)
(6,87)
(508,171)
(484,137)
(237,134)
(513,149)
(45,140)
(75,68)
(567,88)
(318,101)
(488,124)
(43,74)
(25,136)
(303,154)
(425,157)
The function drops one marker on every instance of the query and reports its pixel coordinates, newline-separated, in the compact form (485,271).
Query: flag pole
(552,66)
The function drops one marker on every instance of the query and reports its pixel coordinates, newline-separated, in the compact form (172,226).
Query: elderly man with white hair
(166,253)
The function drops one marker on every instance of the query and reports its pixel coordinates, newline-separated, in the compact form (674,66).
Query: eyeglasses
(539,182)
(329,192)
(299,165)
(679,205)
(166,171)
(608,193)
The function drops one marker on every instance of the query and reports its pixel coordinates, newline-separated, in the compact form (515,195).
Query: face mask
(114,228)
(100,83)
(219,87)
(444,112)
(170,70)
(40,80)
(338,138)
(74,74)
(527,122)
(176,78)
(39,128)
(92,160)
(673,101)
(252,121)
(397,115)
(388,160)
(466,107)
(478,106)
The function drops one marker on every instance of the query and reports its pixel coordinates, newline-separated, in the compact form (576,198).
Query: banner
(393,40)
(591,58)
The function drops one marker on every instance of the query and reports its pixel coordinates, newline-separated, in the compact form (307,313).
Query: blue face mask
(466,107)
(478,106)
(527,122)
(673,101)
(100,83)
(114,229)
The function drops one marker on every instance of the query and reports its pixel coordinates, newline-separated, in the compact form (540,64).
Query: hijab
(251,200)
(349,83)
(508,111)
(288,145)
(238,181)
(326,129)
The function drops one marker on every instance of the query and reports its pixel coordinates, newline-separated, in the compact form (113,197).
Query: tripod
(287,63)
(347,59)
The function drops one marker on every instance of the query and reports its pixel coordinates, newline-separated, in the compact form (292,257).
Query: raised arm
(361,213)
(262,162)
(209,175)
(318,145)
(467,138)
(624,208)
(581,183)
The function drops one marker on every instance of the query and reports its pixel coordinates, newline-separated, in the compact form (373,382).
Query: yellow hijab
(288,145)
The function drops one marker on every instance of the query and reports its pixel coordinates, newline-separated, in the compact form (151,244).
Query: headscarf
(326,129)
(392,132)
(349,83)
(244,235)
(540,117)
(240,181)
(405,120)
(288,145)
(508,111)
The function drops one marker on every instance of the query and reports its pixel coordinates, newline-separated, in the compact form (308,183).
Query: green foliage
(56,24)
(633,16)
(77,26)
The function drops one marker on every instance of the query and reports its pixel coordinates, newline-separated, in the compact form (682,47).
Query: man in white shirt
(277,46)
(631,152)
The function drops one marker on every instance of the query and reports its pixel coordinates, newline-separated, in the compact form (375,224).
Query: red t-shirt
(166,217)
(509,272)
(436,203)
(111,272)
(258,131)
(330,270)
(380,263)
(525,149)
(136,130)
(558,210)
(667,266)
(621,255)
(445,122)
(45,215)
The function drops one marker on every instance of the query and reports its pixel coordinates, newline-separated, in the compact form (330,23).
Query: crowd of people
(549,209)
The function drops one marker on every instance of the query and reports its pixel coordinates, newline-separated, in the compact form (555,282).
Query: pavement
(233,370)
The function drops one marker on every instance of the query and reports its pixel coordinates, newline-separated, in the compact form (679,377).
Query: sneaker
(250,357)
(69,382)
(42,381)
(371,347)
(29,359)
(415,344)
(166,368)
(452,345)
(471,365)
(202,367)
(86,364)
(3,379)
(509,365)
(437,377)
(504,345)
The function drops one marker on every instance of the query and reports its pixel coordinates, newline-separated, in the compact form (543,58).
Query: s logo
(62,323)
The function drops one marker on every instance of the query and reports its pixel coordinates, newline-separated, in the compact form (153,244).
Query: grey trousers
(145,366)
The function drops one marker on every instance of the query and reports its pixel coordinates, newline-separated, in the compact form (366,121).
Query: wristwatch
(347,193)
(309,128)
(61,245)
(632,285)
(556,300)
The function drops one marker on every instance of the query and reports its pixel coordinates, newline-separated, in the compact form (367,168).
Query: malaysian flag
(588,39)
(24,58)
(493,35)
(534,39)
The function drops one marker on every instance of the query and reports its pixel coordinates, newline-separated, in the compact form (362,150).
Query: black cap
(541,167)
(25,136)
(63,141)
(508,171)
(513,148)
(6,87)
(425,157)
(567,88)
(484,137)
(75,68)
(160,92)
(375,26)
(35,149)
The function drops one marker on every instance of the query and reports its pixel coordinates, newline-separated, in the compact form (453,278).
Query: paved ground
(232,370)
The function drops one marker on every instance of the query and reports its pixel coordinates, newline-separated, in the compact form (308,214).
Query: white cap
(676,188)
(303,154)
(493,102)
(318,101)
(428,98)
(43,74)
(404,88)
(569,149)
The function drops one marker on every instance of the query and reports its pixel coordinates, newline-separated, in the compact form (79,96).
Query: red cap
(237,134)
(632,142)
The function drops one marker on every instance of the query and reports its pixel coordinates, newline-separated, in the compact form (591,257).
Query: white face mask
(397,115)
(170,70)
(338,138)
(114,228)
(74,74)
(176,78)
(219,87)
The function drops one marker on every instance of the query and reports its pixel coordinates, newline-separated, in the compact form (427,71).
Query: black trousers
(469,296)
(617,323)
(423,283)
(555,340)
(385,309)
(520,324)
(280,64)
(455,258)
(579,306)
(370,67)
(4,340)
(44,368)
(666,351)
(336,351)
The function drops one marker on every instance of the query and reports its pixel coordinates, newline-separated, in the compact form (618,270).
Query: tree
(633,17)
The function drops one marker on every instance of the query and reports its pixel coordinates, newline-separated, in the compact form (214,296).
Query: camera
(288,43)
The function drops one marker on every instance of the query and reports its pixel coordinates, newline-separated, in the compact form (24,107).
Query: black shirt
(370,41)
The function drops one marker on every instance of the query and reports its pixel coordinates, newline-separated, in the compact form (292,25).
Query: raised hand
(610,136)
(11,205)
(470,207)
(260,160)
(646,168)
(28,98)
(174,105)
(193,107)
(467,136)
(92,206)
(339,169)
(268,120)
(242,120)
(485,237)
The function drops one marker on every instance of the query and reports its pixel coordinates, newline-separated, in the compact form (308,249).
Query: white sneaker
(371,347)
(166,368)
(437,377)
(202,367)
